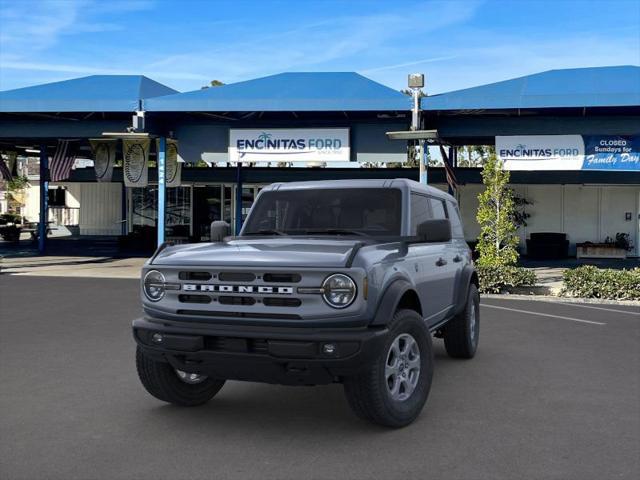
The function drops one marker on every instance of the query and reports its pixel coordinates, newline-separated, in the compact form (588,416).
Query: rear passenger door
(428,263)
(446,263)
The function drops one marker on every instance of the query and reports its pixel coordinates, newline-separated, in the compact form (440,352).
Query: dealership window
(144,210)
(57,197)
(178,216)
(144,207)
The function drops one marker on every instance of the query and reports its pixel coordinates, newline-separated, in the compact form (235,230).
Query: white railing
(64,215)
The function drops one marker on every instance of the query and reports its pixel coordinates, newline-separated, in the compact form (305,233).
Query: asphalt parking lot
(554,392)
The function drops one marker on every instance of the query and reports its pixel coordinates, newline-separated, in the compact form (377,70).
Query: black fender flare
(388,304)
(462,287)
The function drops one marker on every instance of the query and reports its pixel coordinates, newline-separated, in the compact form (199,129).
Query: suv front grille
(241,293)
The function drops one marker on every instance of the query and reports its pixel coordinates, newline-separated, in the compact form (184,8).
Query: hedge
(591,282)
(494,279)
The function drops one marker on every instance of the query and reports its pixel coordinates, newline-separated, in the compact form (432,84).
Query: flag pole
(44,199)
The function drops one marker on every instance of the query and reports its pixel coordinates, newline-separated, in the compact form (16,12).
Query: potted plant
(10,227)
(617,247)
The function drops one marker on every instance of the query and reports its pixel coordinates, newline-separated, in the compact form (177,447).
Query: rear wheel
(175,386)
(393,390)
(461,334)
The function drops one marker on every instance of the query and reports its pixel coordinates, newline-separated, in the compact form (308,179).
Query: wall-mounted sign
(610,152)
(541,152)
(136,162)
(569,152)
(289,145)
(104,157)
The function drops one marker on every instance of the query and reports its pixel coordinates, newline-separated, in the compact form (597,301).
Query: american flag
(4,170)
(62,160)
(452,181)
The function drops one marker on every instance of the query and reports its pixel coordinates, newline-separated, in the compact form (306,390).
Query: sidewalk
(67,266)
(549,277)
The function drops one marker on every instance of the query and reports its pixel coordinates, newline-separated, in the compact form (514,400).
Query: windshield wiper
(266,232)
(336,231)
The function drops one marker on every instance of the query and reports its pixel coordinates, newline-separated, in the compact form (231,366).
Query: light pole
(416,83)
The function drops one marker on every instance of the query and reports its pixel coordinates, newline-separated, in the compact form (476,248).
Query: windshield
(363,211)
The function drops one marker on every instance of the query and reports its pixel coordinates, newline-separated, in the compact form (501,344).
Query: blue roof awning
(577,87)
(288,92)
(96,93)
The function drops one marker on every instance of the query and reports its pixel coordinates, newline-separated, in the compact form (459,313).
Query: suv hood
(274,252)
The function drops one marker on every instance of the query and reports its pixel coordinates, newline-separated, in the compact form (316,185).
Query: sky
(185,44)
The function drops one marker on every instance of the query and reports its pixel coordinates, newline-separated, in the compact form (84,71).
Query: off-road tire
(161,380)
(367,393)
(458,339)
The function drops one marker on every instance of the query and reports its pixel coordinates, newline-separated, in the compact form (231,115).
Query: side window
(420,211)
(438,209)
(456,224)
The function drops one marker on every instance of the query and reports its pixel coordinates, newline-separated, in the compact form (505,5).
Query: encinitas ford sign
(289,145)
(541,152)
(569,152)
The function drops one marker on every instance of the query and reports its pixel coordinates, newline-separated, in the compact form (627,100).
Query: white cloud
(30,27)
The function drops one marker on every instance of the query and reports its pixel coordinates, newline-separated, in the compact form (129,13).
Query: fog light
(156,338)
(329,348)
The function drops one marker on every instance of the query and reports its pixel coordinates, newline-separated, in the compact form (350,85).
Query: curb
(556,299)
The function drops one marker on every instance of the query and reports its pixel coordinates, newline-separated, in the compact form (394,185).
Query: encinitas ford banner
(289,145)
(541,152)
(569,152)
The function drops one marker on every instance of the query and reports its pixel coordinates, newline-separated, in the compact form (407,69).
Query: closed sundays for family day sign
(289,145)
(569,152)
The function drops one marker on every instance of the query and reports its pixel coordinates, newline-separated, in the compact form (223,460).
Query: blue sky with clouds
(184,44)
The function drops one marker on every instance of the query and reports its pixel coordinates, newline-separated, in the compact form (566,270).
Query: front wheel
(175,386)
(393,390)
(461,334)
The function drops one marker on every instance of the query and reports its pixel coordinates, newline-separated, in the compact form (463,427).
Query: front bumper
(283,355)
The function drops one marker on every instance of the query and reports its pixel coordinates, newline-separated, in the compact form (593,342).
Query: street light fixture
(415,82)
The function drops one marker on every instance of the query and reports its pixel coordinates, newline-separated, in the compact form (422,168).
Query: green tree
(213,83)
(474,155)
(497,241)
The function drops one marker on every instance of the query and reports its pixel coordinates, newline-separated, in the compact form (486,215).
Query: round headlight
(154,285)
(338,290)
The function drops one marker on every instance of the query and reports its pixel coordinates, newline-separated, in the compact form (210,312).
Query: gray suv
(328,282)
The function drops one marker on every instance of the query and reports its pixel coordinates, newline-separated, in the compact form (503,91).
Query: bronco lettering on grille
(192,287)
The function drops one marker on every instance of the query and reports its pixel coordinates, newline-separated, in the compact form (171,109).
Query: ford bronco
(332,281)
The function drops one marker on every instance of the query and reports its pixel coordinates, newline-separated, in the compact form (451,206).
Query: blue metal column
(238,225)
(44,199)
(424,160)
(162,190)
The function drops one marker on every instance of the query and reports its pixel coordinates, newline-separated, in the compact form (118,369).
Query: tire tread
(162,382)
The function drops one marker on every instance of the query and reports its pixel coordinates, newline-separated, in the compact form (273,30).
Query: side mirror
(434,231)
(219,230)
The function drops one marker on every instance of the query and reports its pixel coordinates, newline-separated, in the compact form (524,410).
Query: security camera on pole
(416,83)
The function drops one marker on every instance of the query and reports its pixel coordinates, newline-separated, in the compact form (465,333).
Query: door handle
(441,262)
(457,258)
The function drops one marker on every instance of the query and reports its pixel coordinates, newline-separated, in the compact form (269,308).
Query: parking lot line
(597,308)
(543,314)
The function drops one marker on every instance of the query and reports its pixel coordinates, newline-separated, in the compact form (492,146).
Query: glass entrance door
(249,194)
(207,207)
